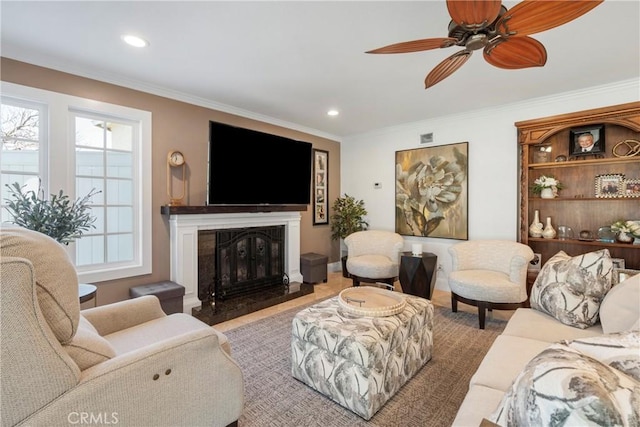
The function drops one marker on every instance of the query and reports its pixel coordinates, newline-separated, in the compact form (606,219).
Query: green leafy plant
(348,217)
(59,217)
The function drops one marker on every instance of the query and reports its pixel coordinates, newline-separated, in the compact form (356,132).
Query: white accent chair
(126,363)
(489,274)
(373,256)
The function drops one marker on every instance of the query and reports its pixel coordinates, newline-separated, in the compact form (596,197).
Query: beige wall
(176,125)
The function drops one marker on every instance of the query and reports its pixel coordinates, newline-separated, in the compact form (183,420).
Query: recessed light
(134,40)
(333,112)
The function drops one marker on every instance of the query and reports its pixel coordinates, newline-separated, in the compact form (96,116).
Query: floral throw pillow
(562,386)
(619,350)
(571,289)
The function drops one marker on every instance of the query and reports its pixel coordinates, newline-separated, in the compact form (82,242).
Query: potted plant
(626,230)
(547,187)
(347,217)
(59,217)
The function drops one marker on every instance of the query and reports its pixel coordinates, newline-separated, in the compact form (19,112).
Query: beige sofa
(528,333)
(126,363)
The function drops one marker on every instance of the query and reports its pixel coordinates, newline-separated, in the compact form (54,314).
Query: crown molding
(119,80)
(630,86)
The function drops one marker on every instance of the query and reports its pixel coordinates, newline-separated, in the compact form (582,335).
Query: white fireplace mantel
(184,244)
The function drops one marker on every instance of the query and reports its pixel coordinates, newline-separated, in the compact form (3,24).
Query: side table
(417,274)
(87,292)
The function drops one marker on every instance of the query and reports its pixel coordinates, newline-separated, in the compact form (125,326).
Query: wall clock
(175,160)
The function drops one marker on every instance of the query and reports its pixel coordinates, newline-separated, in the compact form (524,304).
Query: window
(22,158)
(76,145)
(104,161)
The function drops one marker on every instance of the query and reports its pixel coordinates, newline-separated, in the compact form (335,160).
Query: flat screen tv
(249,168)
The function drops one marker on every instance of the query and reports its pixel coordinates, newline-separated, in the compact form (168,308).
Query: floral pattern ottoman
(360,362)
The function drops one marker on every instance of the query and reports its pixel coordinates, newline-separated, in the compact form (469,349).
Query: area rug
(431,398)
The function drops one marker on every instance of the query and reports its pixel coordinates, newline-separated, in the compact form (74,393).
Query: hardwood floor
(336,283)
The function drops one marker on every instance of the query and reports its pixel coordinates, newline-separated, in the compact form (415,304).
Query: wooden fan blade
(515,53)
(473,14)
(446,68)
(534,16)
(416,45)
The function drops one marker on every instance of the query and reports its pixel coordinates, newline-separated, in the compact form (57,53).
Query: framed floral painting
(432,191)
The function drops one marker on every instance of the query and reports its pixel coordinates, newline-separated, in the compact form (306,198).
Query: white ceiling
(288,62)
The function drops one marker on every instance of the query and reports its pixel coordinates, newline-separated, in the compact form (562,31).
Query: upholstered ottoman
(360,362)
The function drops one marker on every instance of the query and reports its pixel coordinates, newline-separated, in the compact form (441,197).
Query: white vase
(549,232)
(623,237)
(535,229)
(547,193)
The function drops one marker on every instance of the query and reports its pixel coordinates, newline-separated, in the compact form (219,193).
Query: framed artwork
(631,188)
(542,153)
(320,186)
(432,191)
(618,263)
(586,140)
(609,185)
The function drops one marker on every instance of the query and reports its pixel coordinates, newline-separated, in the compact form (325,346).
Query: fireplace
(186,225)
(239,261)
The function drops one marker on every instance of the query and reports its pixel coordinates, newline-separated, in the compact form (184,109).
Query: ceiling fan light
(501,33)
(476,41)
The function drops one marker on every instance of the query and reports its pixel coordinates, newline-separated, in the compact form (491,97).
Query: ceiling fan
(501,33)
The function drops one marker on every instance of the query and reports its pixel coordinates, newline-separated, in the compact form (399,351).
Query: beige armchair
(373,256)
(489,274)
(125,363)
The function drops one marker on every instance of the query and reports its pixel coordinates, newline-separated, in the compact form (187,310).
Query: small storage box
(313,267)
(169,293)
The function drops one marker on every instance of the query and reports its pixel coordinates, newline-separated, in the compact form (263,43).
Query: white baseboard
(332,267)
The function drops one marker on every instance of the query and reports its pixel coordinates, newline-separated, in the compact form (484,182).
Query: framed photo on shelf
(542,153)
(618,263)
(320,186)
(631,188)
(535,263)
(609,185)
(586,141)
(621,274)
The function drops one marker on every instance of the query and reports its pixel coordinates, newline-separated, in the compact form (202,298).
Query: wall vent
(426,138)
